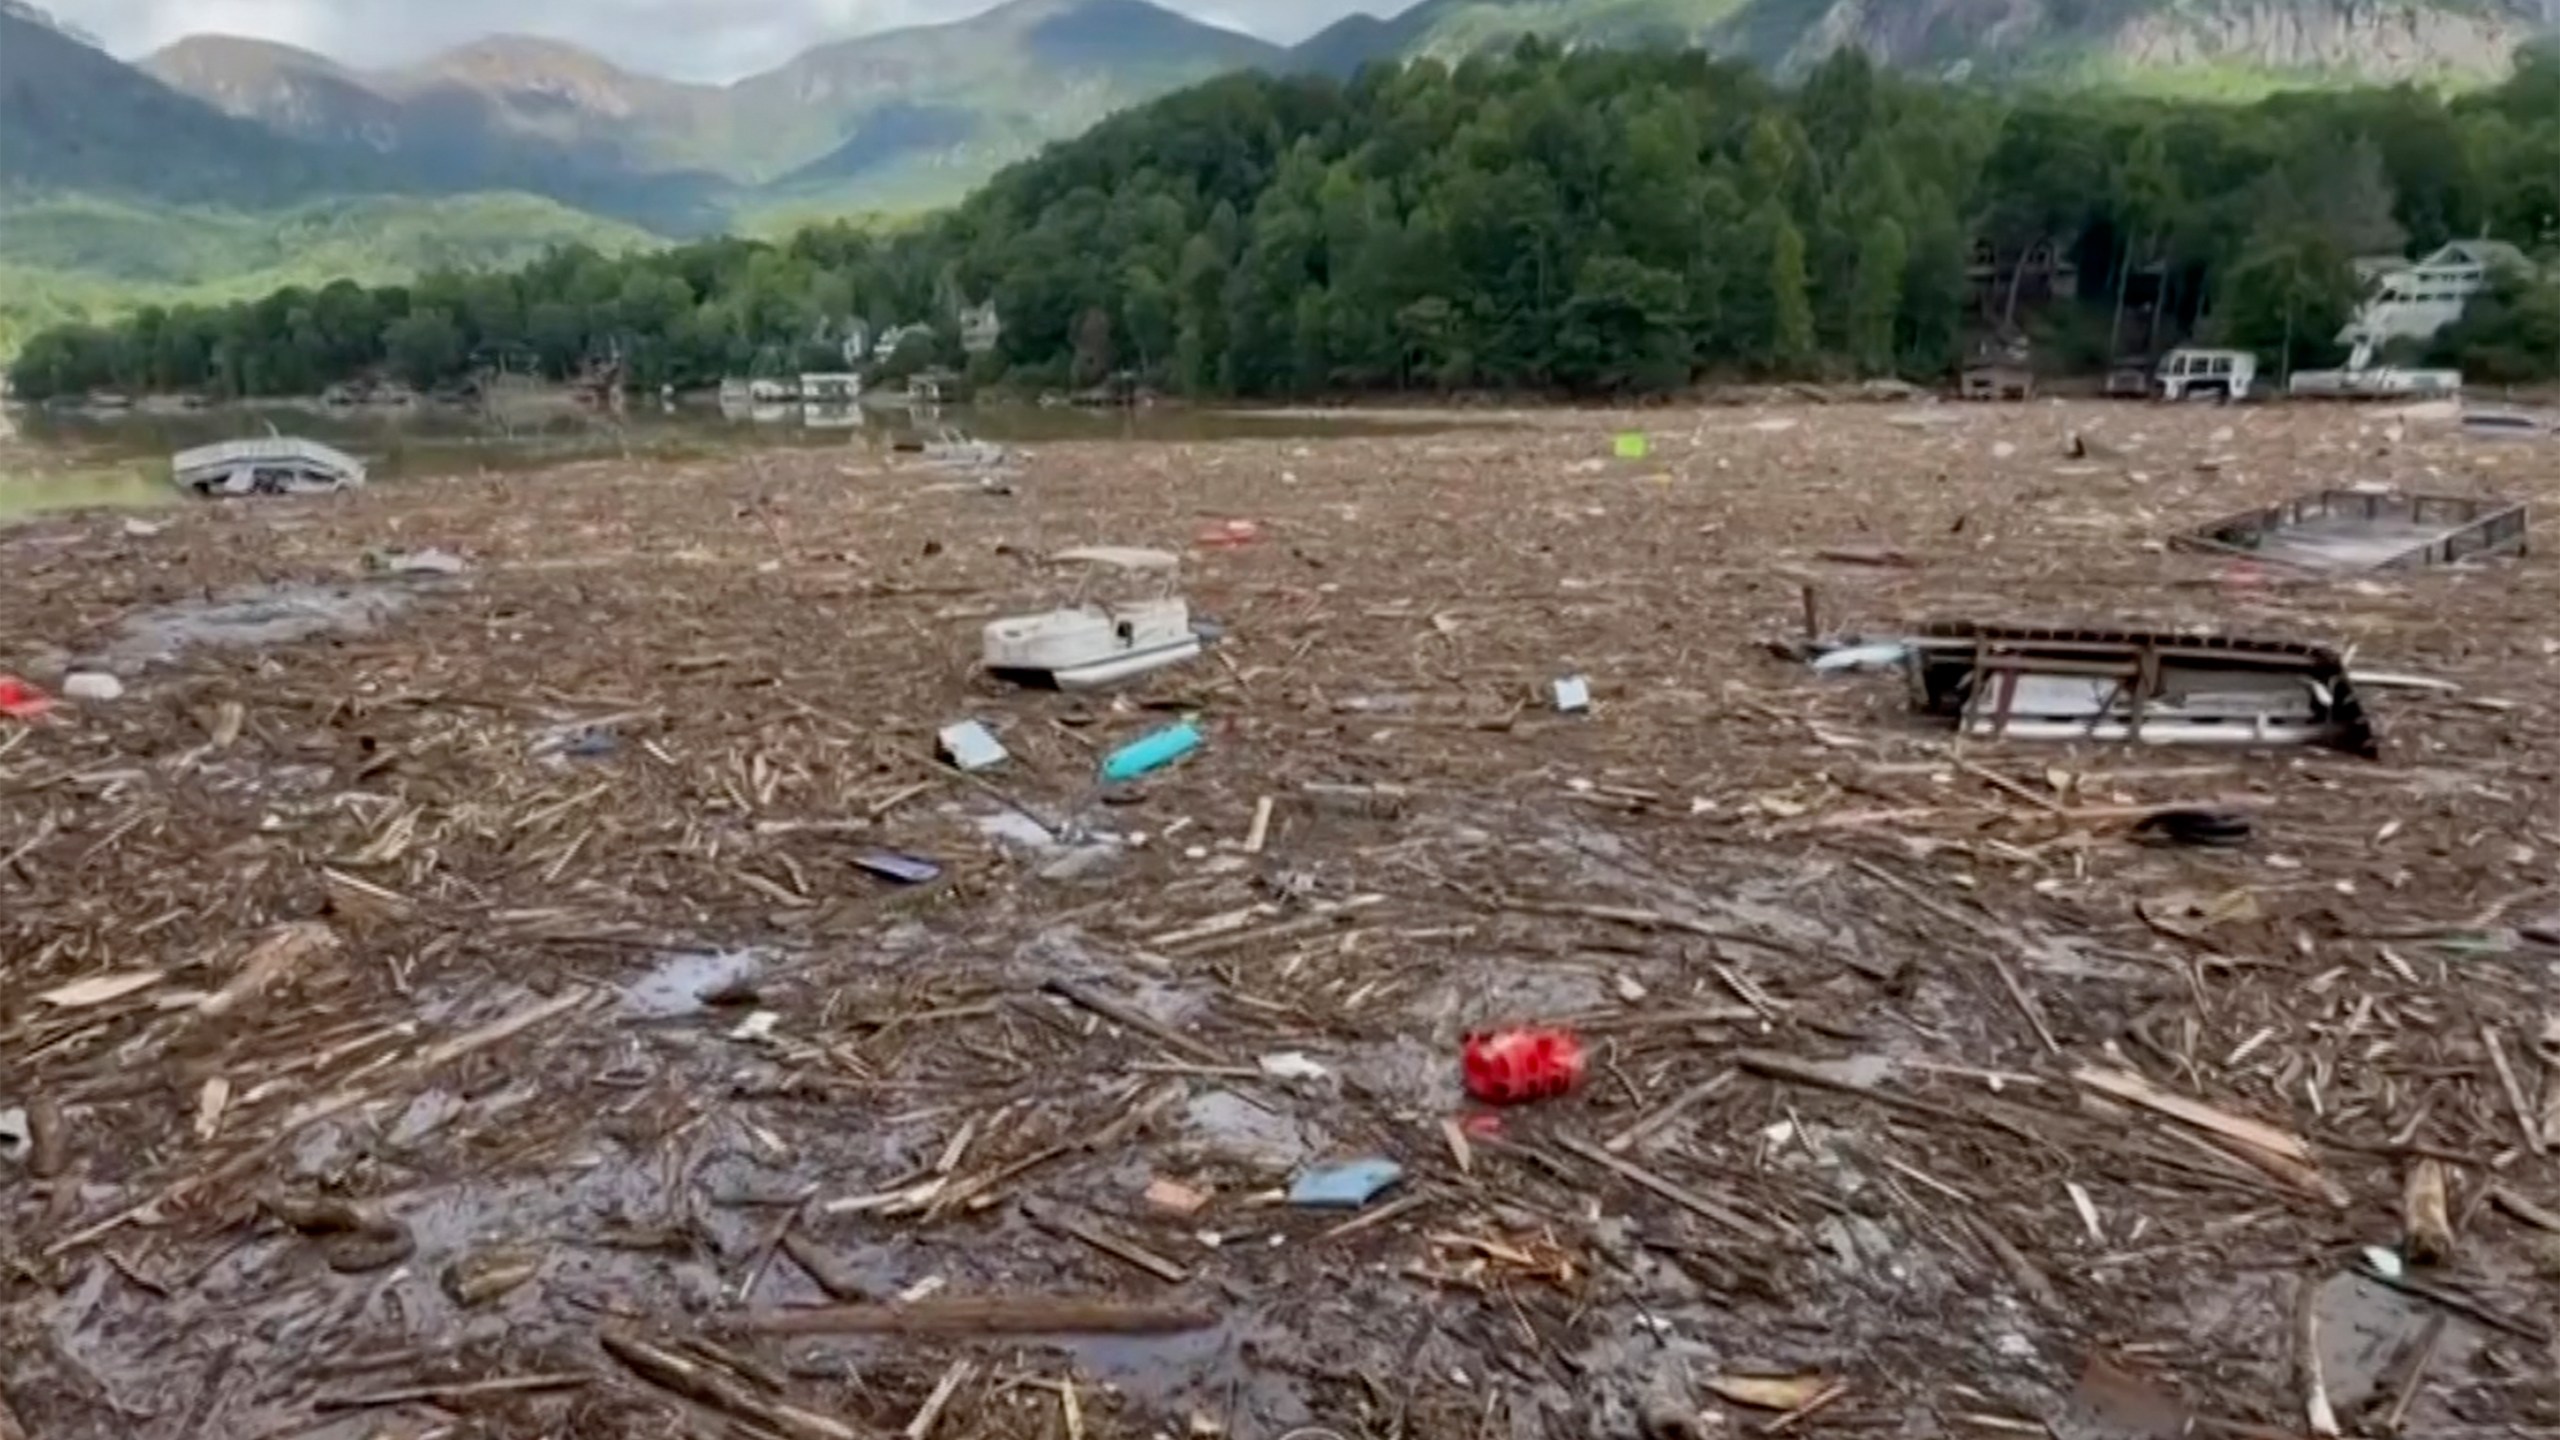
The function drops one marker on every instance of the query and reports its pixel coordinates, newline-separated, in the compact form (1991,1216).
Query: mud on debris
(481,1019)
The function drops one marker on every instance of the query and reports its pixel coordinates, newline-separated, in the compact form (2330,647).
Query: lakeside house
(980,328)
(2001,281)
(2414,299)
(894,336)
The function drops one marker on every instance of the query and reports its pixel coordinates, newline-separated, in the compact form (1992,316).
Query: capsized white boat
(1090,643)
(276,465)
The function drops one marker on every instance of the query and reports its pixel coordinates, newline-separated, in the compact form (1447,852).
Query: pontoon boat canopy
(1124,557)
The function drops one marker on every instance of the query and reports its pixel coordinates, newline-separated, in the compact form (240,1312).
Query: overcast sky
(689,39)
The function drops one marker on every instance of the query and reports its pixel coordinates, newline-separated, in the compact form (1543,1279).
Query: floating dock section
(2367,530)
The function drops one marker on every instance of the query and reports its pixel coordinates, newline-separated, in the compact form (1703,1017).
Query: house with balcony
(2001,281)
(2413,299)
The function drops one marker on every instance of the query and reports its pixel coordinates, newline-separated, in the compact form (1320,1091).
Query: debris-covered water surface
(572,994)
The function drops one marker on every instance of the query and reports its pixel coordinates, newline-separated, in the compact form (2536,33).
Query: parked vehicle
(2192,374)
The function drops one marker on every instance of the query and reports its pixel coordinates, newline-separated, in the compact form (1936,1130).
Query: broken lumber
(1125,1251)
(1122,1015)
(2526,1118)
(2524,1210)
(716,1390)
(2135,1090)
(1834,1075)
(1681,1196)
(2425,1214)
(984,1315)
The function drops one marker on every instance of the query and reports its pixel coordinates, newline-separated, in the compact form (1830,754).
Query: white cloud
(687,39)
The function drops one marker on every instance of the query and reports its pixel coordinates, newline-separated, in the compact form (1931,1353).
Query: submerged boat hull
(279,465)
(1100,673)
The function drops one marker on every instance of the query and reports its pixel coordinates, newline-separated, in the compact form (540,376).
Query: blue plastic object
(1346,1187)
(1151,752)
(971,746)
(905,869)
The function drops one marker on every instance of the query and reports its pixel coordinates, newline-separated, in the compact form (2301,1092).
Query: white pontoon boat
(1093,643)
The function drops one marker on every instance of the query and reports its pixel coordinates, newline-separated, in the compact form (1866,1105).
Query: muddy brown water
(79,459)
(646,1146)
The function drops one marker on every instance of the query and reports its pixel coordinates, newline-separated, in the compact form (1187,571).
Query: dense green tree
(914,353)
(1200,344)
(1622,329)
(423,347)
(1790,308)
(2288,296)
(1094,355)
(1147,312)
(1840,102)
(1600,221)
(2511,335)
(1875,304)
(557,334)
(1933,287)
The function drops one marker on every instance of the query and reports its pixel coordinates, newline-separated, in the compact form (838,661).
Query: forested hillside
(74,118)
(1593,222)
(76,259)
(2194,46)
(120,183)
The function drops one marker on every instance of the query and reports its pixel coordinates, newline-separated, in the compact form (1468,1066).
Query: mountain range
(907,118)
(2266,42)
(891,120)
(913,116)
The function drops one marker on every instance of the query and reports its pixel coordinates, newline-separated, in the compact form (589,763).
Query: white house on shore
(980,328)
(896,335)
(2413,299)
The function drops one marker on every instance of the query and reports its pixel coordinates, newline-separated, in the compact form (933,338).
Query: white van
(2188,374)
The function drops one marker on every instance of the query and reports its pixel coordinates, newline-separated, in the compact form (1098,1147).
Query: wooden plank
(2525,1116)
(1144,1024)
(984,1315)
(1124,1251)
(1681,1196)
(2135,1090)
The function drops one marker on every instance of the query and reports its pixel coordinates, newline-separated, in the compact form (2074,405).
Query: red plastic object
(1513,1067)
(2243,575)
(22,701)
(1228,535)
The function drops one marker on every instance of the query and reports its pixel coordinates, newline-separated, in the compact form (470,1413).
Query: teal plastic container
(1151,752)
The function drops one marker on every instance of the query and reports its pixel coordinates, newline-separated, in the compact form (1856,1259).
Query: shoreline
(549,397)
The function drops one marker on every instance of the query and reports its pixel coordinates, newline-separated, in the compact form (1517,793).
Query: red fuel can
(1515,1066)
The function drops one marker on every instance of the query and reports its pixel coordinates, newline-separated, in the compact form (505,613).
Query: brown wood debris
(507,1003)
